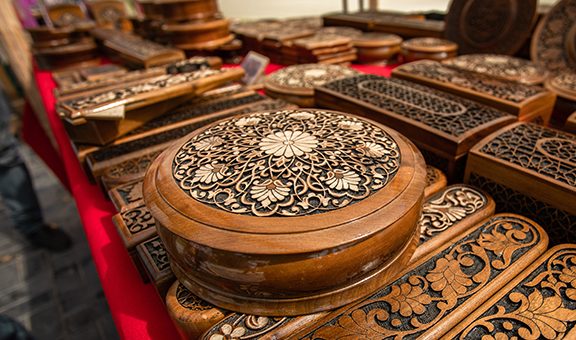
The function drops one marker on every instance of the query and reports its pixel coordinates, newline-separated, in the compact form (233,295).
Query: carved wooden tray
(442,125)
(529,169)
(500,66)
(296,83)
(126,195)
(155,261)
(435,181)
(494,26)
(44,36)
(445,284)
(524,101)
(274,217)
(554,41)
(537,303)
(135,225)
(428,48)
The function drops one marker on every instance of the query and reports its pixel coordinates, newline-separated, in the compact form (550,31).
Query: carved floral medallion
(287,163)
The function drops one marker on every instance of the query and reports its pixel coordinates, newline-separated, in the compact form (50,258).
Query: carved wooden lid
(529,148)
(375,39)
(431,45)
(495,26)
(554,41)
(564,85)
(342,31)
(273,178)
(195,27)
(500,66)
(301,79)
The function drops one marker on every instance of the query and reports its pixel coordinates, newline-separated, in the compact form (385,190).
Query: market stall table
(137,310)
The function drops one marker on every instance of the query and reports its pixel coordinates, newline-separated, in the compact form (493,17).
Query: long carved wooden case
(275,224)
(526,102)
(529,169)
(538,303)
(451,212)
(443,126)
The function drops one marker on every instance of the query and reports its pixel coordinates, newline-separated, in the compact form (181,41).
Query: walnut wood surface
(535,166)
(501,66)
(493,26)
(571,123)
(294,245)
(443,125)
(537,303)
(554,41)
(179,10)
(65,14)
(428,48)
(155,260)
(135,225)
(195,34)
(191,314)
(445,215)
(443,286)
(524,101)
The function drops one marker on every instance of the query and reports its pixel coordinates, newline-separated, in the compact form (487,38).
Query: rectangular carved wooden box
(442,125)
(530,170)
(527,102)
(154,258)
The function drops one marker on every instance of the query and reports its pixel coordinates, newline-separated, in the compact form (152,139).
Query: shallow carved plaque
(495,26)
(126,194)
(425,300)
(540,303)
(135,225)
(156,263)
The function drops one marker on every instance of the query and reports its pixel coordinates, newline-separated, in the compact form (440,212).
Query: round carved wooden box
(428,48)
(288,212)
(296,83)
(376,47)
(177,10)
(197,35)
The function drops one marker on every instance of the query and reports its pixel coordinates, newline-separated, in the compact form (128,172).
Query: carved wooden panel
(301,79)
(433,294)
(135,225)
(500,66)
(553,43)
(445,125)
(130,169)
(524,101)
(540,303)
(559,224)
(126,194)
(494,26)
(435,181)
(444,215)
(155,259)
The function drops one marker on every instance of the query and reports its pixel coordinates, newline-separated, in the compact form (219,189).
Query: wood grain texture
(538,303)
(493,26)
(536,162)
(282,236)
(155,260)
(455,279)
(524,101)
(444,125)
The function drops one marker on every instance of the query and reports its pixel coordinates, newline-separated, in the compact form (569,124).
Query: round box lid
(301,79)
(563,85)
(431,45)
(256,210)
(375,39)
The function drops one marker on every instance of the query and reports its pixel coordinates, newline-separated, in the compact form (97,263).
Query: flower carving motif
(286,163)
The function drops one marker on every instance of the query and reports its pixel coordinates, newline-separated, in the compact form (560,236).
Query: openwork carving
(309,76)
(500,66)
(560,225)
(452,206)
(420,298)
(496,26)
(554,42)
(286,163)
(243,326)
(533,147)
(132,166)
(432,175)
(138,219)
(158,83)
(136,46)
(542,306)
(506,90)
(158,254)
(565,82)
(441,111)
(188,300)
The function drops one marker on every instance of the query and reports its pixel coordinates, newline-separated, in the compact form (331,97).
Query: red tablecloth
(138,312)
